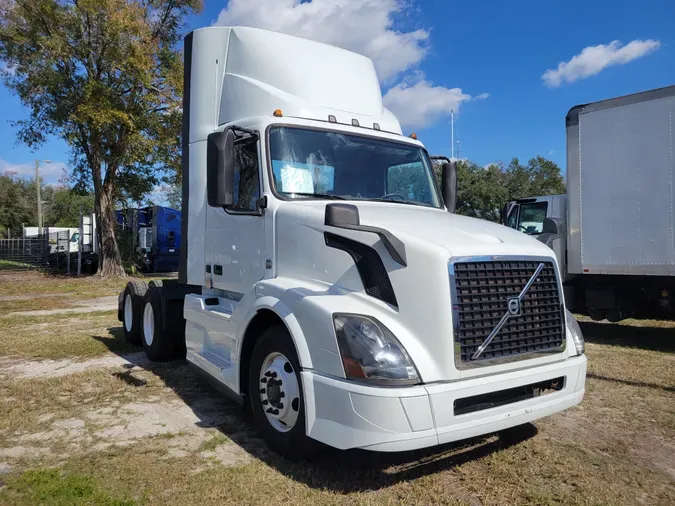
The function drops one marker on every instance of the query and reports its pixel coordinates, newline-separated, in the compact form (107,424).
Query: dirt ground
(87,419)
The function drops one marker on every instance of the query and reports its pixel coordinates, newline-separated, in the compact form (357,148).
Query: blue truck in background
(154,234)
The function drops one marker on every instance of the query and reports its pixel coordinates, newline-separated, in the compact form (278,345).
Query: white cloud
(363,26)
(49,172)
(593,59)
(417,103)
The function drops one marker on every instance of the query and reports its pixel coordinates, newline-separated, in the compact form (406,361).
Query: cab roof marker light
(277,113)
(376,126)
(355,122)
(413,136)
(332,119)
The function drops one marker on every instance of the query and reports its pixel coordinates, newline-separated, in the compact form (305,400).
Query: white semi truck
(612,231)
(323,279)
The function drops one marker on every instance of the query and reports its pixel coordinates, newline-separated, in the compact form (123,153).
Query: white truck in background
(323,279)
(613,231)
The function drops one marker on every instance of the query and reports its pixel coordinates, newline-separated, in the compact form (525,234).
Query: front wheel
(276,395)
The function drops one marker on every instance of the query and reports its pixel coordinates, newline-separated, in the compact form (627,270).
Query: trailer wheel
(132,311)
(158,344)
(277,400)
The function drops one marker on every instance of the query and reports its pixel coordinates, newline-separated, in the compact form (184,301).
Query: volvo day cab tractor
(324,279)
(612,232)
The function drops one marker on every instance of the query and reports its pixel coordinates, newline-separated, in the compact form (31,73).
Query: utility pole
(39,202)
(39,199)
(452,130)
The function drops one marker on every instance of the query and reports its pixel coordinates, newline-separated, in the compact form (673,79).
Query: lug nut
(262,390)
(273,374)
(279,382)
(263,380)
(275,412)
(282,394)
(265,403)
(268,374)
(280,405)
(269,410)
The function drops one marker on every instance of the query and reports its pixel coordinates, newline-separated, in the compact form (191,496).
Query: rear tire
(275,368)
(132,311)
(158,343)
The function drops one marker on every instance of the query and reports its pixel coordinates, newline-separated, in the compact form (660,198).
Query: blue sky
(484,59)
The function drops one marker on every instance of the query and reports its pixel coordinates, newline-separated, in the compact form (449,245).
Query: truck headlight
(575,330)
(371,353)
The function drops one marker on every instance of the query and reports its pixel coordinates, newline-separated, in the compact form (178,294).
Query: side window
(246,175)
(409,181)
(513,217)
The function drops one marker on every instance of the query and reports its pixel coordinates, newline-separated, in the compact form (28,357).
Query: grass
(62,335)
(37,303)
(9,264)
(613,449)
(213,443)
(616,448)
(28,283)
(53,487)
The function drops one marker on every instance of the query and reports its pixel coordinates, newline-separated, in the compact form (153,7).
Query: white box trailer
(615,242)
(323,280)
(620,185)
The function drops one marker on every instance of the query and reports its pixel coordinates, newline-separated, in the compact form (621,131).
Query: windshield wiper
(319,195)
(397,201)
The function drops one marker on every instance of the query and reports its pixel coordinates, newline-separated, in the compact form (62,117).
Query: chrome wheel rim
(128,312)
(279,392)
(148,324)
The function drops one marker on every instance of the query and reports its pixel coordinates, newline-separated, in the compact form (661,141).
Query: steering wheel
(393,196)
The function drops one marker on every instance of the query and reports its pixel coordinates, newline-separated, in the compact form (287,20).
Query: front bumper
(344,414)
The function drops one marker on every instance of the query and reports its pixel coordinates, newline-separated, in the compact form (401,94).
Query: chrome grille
(481,291)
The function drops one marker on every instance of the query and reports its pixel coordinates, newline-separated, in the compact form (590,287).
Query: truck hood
(459,235)
(421,315)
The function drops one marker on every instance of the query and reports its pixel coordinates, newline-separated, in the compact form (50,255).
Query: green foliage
(14,207)
(54,487)
(539,177)
(63,210)
(483,191)
(105,76)
(60,204)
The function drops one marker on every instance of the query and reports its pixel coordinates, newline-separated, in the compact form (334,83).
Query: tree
(14,210)
(483,191)
(105,76)
(539,177)
(63,209)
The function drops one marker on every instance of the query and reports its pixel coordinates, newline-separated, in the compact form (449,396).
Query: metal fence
(46,251)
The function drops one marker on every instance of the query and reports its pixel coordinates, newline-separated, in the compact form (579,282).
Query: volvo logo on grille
(514,306)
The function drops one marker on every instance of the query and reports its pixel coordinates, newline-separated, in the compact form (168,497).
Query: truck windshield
(333,165)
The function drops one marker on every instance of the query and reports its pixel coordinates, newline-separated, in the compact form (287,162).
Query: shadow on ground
(647,338)
(337,471)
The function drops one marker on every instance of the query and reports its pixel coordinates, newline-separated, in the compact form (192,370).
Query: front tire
(276,395)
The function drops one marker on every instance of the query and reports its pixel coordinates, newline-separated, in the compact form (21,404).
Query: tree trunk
(110,261)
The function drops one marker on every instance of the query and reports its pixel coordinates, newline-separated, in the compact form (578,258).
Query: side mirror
(342,215)
(553,226)
(220,169)
(449,185)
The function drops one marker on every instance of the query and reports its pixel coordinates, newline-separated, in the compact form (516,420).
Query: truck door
(235,239)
